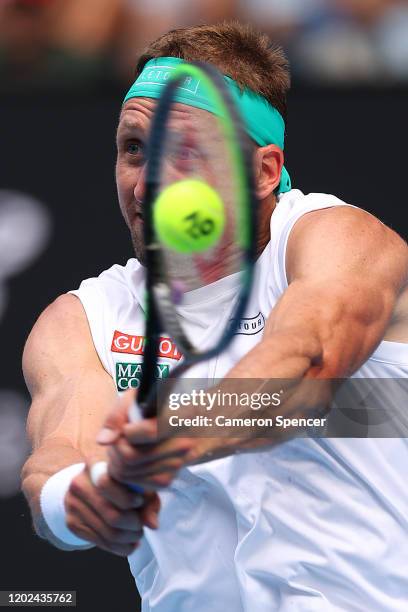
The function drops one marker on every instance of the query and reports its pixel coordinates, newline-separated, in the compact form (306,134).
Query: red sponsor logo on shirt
(134,345)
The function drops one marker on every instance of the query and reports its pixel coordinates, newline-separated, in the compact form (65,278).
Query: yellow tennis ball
(189,216)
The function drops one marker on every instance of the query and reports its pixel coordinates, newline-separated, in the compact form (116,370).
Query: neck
(199,270)
(266,208)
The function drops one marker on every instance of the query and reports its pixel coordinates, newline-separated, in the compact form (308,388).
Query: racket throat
(163,296)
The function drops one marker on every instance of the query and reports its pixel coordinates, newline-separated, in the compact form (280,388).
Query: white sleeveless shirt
(312,525)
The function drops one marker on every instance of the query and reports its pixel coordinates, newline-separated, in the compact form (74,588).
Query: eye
(186,158)
(188,153)
(133,148)
(134,151)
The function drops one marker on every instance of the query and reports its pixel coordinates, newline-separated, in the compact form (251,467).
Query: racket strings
(199,150)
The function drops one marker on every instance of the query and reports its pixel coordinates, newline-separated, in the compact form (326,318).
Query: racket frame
(159,309)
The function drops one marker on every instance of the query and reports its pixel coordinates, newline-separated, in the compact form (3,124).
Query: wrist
(52,504)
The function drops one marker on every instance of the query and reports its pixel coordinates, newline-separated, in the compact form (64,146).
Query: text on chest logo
(134,345)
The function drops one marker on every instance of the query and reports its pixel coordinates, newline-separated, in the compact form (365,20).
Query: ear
(268,163)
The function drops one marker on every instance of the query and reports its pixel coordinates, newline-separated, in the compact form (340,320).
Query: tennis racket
(215,149)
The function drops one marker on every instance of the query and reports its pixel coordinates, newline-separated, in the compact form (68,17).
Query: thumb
(149,513)
(116,419)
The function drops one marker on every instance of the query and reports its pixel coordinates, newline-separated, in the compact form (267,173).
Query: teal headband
(263,122)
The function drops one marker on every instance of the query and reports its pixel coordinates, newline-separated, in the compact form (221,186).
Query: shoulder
(295,203)
(348,235)
(342,218)
(65,314)
(294,208)
(59,341)
(116,281)
(121,273)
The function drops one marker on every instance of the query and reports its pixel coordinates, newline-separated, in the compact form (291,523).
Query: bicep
(345,271)
(71,391)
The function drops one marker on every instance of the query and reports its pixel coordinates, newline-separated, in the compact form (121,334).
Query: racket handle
(100,468)
(136,488)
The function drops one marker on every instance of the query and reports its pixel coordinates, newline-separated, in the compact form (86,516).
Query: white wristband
(53,507)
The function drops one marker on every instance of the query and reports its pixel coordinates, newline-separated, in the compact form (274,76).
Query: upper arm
(71,392)
(345,270)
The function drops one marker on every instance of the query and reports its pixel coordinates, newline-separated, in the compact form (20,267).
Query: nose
(140,187)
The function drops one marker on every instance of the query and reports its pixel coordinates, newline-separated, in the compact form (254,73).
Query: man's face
(196,147)
(181,160)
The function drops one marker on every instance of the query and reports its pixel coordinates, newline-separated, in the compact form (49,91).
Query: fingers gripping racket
(199,215)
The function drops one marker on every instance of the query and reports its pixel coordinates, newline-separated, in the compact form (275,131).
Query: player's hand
(136,453)
(108,514)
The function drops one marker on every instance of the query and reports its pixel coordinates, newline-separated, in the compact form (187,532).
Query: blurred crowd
(83,42)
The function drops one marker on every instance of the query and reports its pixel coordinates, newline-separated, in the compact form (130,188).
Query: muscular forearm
(71,396)
(47,460)
(74,512)
(290,354)
(283,361)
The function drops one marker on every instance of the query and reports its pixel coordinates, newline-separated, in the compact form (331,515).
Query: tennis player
(309,524)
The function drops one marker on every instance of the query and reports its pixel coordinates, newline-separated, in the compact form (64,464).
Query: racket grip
(100,468)
(136,488)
